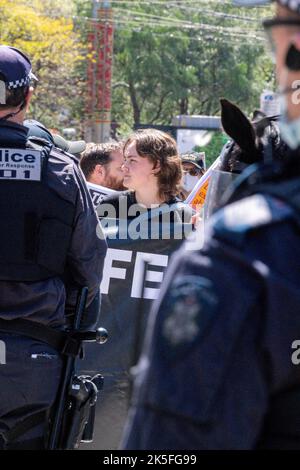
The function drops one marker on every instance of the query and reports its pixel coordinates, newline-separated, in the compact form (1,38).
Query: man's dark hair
(14,96)
(97,154)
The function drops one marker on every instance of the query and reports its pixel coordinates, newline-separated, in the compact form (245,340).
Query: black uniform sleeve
(201,381)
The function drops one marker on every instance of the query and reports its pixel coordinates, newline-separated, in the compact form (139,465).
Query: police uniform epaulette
(37,142)
(67,154)
(235,221)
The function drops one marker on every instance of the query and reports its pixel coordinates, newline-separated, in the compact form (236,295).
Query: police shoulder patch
(238,218)
(20,164)
(187,309)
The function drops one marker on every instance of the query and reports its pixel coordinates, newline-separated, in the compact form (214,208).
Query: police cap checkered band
(15,67)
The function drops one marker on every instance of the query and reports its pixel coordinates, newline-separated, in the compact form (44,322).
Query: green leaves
(184,56)
(170,57)
(44,30)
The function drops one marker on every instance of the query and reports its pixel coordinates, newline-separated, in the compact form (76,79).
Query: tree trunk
(183,106)
(134,102)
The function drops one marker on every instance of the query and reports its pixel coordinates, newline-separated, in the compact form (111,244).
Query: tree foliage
(43,30)
(170,57)
(180,58)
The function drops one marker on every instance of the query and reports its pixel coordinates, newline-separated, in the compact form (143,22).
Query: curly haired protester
(152,173)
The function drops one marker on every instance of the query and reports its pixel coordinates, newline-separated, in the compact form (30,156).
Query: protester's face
(191,169)
(138,171)
(190,176)
(113,171)
(282,38)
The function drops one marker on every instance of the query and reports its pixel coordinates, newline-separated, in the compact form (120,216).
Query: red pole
(99,73)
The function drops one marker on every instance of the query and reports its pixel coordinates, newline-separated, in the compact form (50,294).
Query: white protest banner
(196,198)
(98,193)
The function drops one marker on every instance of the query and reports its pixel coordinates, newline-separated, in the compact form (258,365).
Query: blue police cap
(15,67)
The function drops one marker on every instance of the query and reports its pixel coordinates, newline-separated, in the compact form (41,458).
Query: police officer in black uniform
(50,246)
(221,363)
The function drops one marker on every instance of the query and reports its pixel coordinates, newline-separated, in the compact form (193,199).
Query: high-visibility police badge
(188,309)
(20,164)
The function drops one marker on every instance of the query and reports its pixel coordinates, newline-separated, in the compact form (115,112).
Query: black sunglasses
(292,60)
(274,22)
(194,171)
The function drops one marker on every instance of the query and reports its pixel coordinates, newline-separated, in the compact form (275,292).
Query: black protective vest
(35,228)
